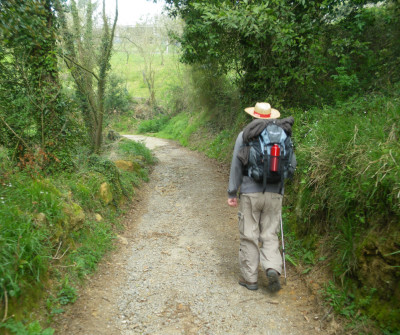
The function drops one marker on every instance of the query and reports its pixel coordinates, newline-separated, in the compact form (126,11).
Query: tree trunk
(81,61)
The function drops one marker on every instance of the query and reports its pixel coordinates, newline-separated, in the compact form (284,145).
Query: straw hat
(263,110)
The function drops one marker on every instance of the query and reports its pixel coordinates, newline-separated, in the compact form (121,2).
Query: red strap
(262,115)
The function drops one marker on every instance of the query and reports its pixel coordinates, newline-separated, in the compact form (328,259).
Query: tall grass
(349,156)
(25,243)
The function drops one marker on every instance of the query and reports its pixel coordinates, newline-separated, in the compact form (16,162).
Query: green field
(167,76)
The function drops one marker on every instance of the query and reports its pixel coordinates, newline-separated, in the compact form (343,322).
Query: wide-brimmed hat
(263,110)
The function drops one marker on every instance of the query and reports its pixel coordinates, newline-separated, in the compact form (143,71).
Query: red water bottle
(274,163)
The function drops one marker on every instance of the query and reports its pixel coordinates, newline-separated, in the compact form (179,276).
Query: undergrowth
(153,125)
(55,229)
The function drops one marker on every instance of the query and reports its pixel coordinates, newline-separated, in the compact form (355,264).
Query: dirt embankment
(175,270)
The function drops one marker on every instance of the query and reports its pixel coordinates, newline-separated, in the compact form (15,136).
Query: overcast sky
(131,11)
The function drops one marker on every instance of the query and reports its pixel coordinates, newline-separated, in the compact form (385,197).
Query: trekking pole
(283,249)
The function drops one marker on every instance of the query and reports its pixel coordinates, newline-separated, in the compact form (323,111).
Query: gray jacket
(244,184)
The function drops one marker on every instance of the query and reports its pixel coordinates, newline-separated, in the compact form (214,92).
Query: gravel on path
(176,269)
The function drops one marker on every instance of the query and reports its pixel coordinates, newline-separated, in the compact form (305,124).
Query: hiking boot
(274,285)
(249,286)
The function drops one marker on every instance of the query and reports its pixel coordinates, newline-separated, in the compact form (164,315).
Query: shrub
(117,100)
(154,125)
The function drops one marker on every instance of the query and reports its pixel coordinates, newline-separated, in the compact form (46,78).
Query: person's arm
(236,173)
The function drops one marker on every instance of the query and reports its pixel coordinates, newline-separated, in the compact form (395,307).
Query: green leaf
(290,259)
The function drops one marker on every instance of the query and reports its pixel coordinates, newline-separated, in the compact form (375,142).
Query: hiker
(260,201)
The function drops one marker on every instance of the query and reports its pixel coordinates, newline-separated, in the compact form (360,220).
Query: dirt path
(175,270)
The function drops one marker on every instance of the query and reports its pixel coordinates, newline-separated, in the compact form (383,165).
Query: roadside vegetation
(56,227)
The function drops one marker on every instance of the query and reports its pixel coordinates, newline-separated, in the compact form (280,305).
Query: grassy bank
(55,229)
(347,192)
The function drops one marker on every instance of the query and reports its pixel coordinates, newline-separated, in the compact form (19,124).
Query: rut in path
(176,269)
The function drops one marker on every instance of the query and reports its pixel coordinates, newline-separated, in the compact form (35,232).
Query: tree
(89,64)
(149,38)
(32,112)
(267,44)
(142,37)
(300,52)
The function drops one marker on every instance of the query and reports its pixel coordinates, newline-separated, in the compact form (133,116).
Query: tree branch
(15,134)
(110,45)
(135,44)
(82,67)
(87,92)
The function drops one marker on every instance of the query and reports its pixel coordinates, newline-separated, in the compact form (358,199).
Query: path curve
(175,270)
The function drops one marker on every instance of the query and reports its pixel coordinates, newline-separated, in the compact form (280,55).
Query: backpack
(270,156)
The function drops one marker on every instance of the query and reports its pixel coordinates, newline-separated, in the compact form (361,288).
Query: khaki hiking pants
(259,222)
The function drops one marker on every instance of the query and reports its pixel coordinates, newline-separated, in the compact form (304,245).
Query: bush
(117,98)
(133,149)
(154,125)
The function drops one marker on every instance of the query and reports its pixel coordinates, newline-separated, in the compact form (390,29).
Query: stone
(123,240)
(75,216)
(105,193)
(129,166)
(124,165)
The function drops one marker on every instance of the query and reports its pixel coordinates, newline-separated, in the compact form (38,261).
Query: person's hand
(232,202)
